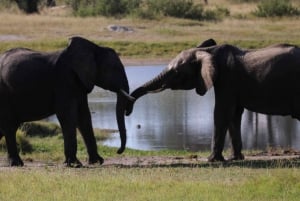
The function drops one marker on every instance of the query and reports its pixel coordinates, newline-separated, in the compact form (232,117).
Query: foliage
(176,8)
(147,9)
(40,128)
(272,8)
(103,7)
(23,144)
(40,141)
(244,1)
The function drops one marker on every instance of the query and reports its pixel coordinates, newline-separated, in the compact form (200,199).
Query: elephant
(263,80)
(34,85)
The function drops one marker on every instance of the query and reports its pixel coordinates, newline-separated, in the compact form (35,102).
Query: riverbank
(289,159)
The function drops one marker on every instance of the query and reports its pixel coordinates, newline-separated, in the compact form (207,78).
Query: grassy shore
(44,177)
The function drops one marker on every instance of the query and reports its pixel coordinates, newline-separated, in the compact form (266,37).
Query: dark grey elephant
(264,80)
(34,85)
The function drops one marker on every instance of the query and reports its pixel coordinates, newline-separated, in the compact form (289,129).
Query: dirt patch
(260,160)
(10,37)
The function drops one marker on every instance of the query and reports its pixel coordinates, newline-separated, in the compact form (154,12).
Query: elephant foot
(236,157)
(74,163)
(96,159)
(216,157)
(15,161)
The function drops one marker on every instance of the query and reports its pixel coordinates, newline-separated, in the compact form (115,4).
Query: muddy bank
(261,160)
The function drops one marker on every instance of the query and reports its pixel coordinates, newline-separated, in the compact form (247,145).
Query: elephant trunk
(122,99)
(157,84)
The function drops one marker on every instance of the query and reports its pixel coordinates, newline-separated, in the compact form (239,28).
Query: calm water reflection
(183,120)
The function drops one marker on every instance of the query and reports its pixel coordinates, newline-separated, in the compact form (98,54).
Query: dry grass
(49,26)
(50,30)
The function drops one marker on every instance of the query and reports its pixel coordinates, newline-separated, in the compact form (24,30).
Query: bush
(103,7)
(175,8)
(23,144)
(244,1)
(40,128)
(146,9)
(181,9)
(272,8)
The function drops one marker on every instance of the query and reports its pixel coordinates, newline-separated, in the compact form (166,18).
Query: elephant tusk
(158,90)
(127,95)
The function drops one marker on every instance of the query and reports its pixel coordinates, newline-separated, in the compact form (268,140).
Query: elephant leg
(67,118)
(224,111)
(222,118)
(11,144)
(235,134)
(218,144)
(86,130)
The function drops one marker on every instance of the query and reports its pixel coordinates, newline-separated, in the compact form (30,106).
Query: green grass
(241,180)
(51,148)
(149,184)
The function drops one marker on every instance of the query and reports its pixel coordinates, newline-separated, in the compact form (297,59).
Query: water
(183,119)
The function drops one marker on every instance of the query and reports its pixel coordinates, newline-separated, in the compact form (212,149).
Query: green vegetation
(107,8)
(54,183)
(23,144)
(40,128)
(272,8)
(147,9)
(44,141)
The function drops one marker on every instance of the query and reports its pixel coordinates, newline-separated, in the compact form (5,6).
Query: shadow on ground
(192,161)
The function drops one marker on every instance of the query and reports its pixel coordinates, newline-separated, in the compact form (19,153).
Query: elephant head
(100,66)
(192,68)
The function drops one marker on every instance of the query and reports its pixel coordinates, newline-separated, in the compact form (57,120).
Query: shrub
(40,128)
(216,14)
(103,7)
(23,144)
(244,1)
(146,9)
(272,8)
(176,8)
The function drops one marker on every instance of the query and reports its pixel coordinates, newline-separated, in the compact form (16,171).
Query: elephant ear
(207,43)
(81,58)
(207,72)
